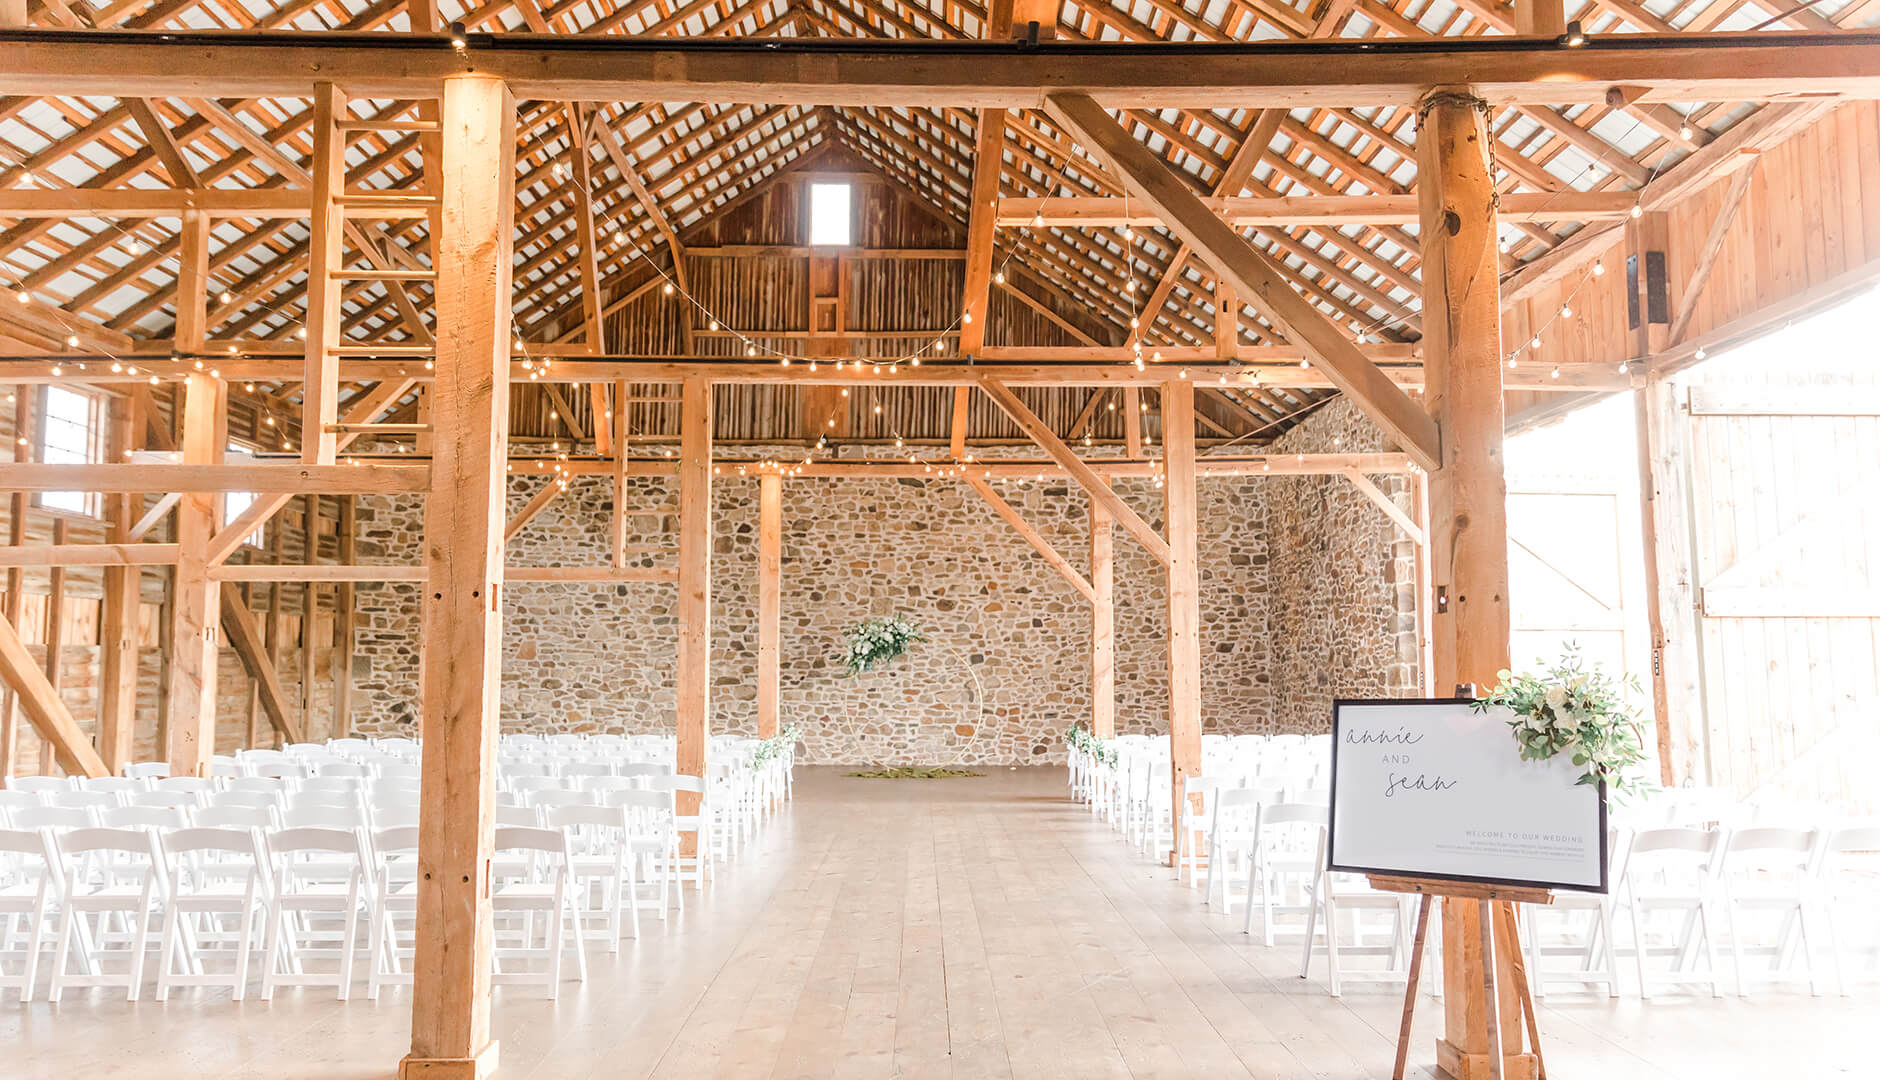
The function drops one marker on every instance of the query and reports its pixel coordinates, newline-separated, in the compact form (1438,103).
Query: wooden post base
(1453,1063)
(480,1067)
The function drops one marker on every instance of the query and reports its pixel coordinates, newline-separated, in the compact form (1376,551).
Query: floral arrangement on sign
(874,642)
(775,745)
(1098,750)
(1573,709)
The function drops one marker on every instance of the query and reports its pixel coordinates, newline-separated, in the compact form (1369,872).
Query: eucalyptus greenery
(1098,750)
(874,642)
(775,745)
(1578,710)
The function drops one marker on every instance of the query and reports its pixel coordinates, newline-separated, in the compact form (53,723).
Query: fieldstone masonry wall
(1343,579)
(1006,667)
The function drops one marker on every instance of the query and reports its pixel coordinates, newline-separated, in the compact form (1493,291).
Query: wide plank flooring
(970,928)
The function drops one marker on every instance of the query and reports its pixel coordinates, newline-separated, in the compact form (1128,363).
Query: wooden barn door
(1786,533)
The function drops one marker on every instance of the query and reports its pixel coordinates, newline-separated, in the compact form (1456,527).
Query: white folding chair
(654,843)
(144,817)
(1231,839)
(217,877)
(320,878)
(1850,880)
(116,785)
(1283,867)
(697,866)
(17,800)
(235,816)
(1191,834)
(602,870)
(1337,894)
(1578,926)
(147,770)
(1673,870)
(29,885)
(39,785)
(537,885)
(395,915)
(130,895)
(1771,871)
(56,818)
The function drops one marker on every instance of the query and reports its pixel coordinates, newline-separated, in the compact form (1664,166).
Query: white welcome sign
(1436,789)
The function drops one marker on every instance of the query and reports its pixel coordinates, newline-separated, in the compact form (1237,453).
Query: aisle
(965,928)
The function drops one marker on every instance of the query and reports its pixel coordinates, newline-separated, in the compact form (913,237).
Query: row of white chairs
(1786,900)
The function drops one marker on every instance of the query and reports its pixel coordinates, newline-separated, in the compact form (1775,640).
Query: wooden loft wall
(1805,233)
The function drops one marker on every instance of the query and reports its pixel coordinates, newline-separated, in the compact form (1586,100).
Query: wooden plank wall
(1812,214)
(1787,557)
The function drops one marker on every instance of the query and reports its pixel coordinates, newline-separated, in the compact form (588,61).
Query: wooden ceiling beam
(1659,67)
(1255,277)
(1320,210)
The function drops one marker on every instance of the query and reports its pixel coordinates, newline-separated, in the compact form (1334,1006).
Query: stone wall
(1005,670)
(1343,579)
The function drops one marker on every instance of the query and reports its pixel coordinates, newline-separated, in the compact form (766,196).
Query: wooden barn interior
(420,413)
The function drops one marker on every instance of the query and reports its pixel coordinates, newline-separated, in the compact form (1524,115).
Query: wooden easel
(1496,919)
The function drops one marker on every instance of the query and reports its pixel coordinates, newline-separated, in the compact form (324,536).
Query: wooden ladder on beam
(346,257)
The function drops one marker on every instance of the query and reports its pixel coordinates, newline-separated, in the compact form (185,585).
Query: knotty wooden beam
(1385,503)
(1468,500)
(238,625)
(534,506)
(692,663)
(118,613)
(1102,624)
(195,612)
(110,555)
(190,477)
(1092,483)
(1179,514)
(1659,67)
(1254,276)
(1100,211)
(1693,288)
(319,401)
(49,716)
(769,600)
(157,134)
(450,1000)
(1023,528)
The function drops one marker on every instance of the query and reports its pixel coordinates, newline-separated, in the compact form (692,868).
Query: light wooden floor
(967,928)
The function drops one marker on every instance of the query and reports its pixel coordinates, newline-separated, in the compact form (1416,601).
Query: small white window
(68,435)
(237,502)
(829,214)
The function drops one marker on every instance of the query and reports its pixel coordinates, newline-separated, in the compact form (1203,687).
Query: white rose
(1556,695)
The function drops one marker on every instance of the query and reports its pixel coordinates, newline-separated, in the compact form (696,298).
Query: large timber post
(463,554)
(1468,509)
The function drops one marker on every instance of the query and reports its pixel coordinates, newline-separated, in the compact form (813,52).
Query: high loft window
(237,502)
(69,435)
(829,215)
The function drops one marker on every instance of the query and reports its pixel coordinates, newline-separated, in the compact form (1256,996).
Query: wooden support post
(244,595)
(1468,503)
(343,618)
(463,544)
(693,662)
(196,609)
(117,624)
(622,461)
(1102,624)
(55,634)
(1540,18)
(769,599)
(277,593)
(326,241)
(1671,610)
(1184,599)
(16,578)
(310,623)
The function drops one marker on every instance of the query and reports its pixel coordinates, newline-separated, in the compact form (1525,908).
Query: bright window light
(236,503)
(68,436)
(829,214)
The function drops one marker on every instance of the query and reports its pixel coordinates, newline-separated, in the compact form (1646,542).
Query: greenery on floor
(907,772)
